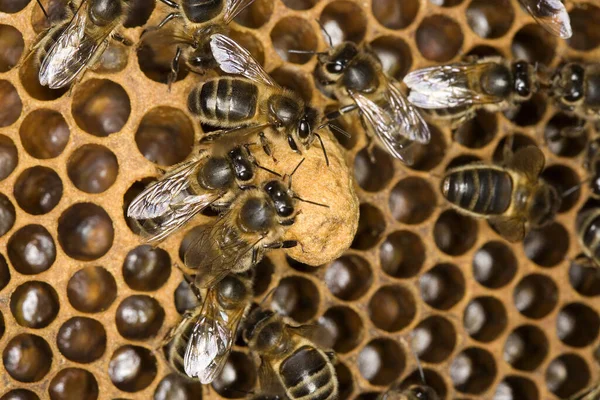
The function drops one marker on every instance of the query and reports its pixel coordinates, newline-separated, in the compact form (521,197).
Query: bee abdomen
(224,100)
(199,11)
(479,190)
(307,374)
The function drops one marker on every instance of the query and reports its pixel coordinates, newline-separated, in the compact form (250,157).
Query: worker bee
(197,21)
(254,98)
(289,358)
(592,393)
(413,392)
(200,344)
(255,222)
(212,177)
(551,15)
(74,44)
(577,88)
(455,92)
(356,79)
(512,198)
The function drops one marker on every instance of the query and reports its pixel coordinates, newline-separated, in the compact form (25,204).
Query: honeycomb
(84,303)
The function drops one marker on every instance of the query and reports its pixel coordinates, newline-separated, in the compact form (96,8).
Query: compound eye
(303,129)
(334,68)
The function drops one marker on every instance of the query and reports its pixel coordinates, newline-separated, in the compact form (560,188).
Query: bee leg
(122,39)
(162,23)
(170,3)
(174,68)
(285,244)
(266,145)
(340,111)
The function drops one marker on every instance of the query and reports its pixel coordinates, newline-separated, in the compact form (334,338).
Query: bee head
(569,84)
(522,79)
(544,205)
(279,194)
(256,215)
(306,126)
(104,12)
(242,165)
(231,291)
(336,60)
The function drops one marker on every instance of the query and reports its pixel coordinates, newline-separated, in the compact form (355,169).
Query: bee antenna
(574,188)
(310,201)
(267,169)
(306,52)
(269,294)
(327,35)
(323,147)
(294,171)
(43,9)
(416,356)
(339,130)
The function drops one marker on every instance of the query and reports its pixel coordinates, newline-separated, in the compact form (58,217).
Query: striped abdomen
(224,101)
(484,191)
(308,373)
(590,234)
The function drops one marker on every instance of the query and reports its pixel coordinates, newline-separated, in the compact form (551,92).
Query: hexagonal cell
(38,190)
(577,325)
(299,4)
(263,274)
(345,327)
(432,378)
(296,297)
(428,156)
(100,107)
(12,6)
(165,136)
(174,386)
(565,135)
(412,200)
(73,383)
(184,298)
(294,33)
(29,75)
(31,250)
(373,170)
(20,394)
(439,38)
(371,225)
(490,19)
(566,182)
(345,380)
(485,318)
(433,339)
(4,272)
(250,43)
(462,161)
(584,279)
(155,58)
(92,168)
(566,375)
(526,348)
(532,43)
(392,308)
(583,18)
(349,277)
(402,254)
(395,14)
(477,132)
(381,361)
(81,339)
(344,21)
(535,296)
(256,15)
(85,231)
(132,368)
(298,266)
(442,286)
(8,156)
(7,215)
(27,357)
(91,289)
(237,378)
(455,233)
(515,387)
(483,50)
(295,80)
(146,268)
(11,47)
(528,113)
(473,371)
(394,54)
(547,246)
(44,133)
(494,265)
(139,317)
(11,104)
(34,304)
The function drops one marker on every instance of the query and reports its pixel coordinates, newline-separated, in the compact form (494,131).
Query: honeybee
(512,198)
(413,392)
(255,222)
(198,20)
(588,230)
(592,393)
(577,88)
(456,91)
(356,79)
(200,344)
(289,358)
(74,44)
(254,98)
(551,15)
(212,177)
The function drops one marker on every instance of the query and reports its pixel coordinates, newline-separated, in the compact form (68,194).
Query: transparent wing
(447,86)
(408,119)
(592,393)
(209,345)
(384,127)
(528,160)
(551,15)
(233,8)
(157,198)
(234,59)
(511,228)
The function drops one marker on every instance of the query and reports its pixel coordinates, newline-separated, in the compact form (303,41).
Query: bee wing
(234,59)
(510,228)
(447,86)
(71,52)
(384,127)
(551,15)
(528,160)
(233,8)
(592,393)
(209,345)
(269,383)
(408,118)
(157,198)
